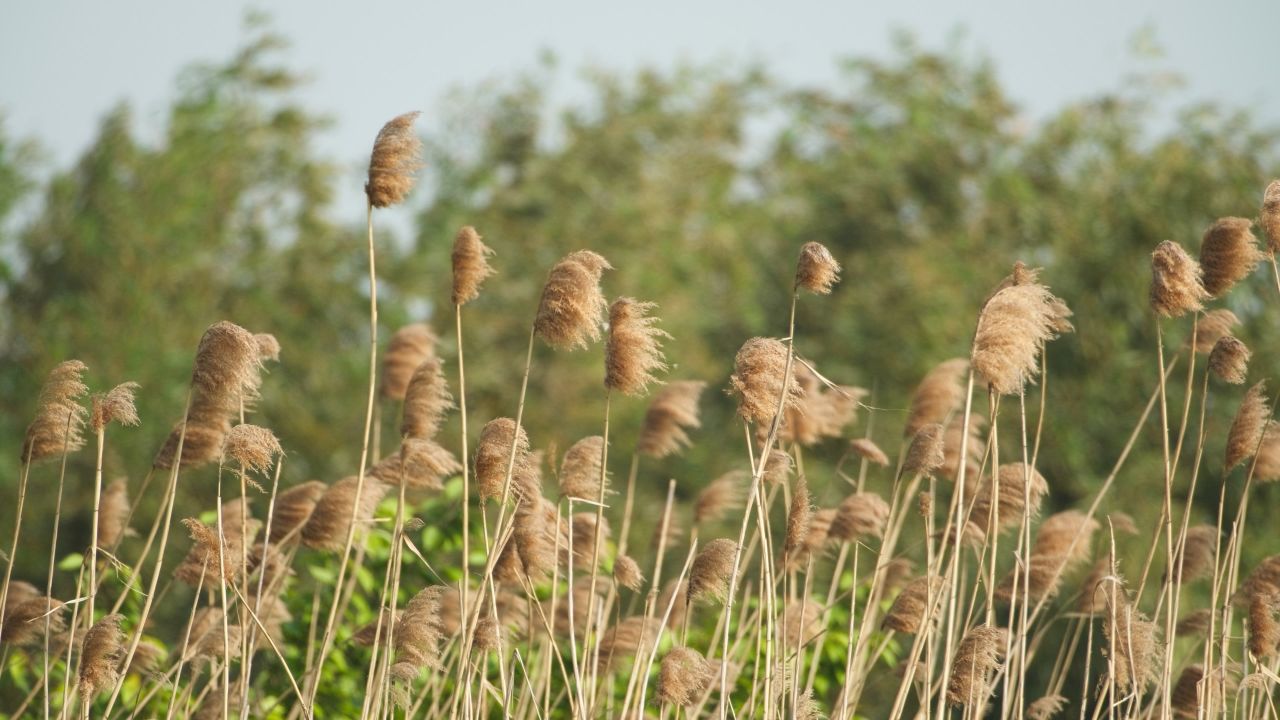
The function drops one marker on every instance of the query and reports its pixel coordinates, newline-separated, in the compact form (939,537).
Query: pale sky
(62,63)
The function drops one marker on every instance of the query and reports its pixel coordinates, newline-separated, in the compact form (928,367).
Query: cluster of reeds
(936,582)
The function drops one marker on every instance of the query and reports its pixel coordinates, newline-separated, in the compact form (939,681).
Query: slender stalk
(326,641)
(53,560)
(464,583)
(93,538)
(17,534)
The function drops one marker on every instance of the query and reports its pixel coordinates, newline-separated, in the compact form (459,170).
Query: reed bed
(488,574)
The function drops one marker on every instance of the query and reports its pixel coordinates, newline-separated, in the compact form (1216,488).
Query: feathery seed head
(1229,360)
(1013,328)
(817,271)
(426,401)
(572,307)
(633,352)
(1246,429)
(408,349)
(1176,285)
(470,265)
(580,468)
(254,448)
(397,155)
(711,570)
(1269,218)
(926,453)
(939,394)
(100,656)
(672,412)
(59,421)
(1228,253)
(760,370)
(115,405)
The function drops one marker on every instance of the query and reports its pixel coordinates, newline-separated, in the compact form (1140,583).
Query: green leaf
(71,562)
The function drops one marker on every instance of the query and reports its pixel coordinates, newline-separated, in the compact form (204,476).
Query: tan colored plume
(1228,254)
(1176,284)
(572,307)
(397,155)
(673,411)
(470,265)
(409,348)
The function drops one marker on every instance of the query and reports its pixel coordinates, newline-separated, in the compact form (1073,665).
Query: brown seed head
(907,613)
(1264,576)
(580,468)
(418,634)
(799,519)
(684,677)
(115,405)
(1212,326)
(777,467)
(268,347)
(759,371)
(572,307)
(254,448)
(1176,285)
(866,449)
(419,464)
(1136,641)
(113,514)
(330,520)
(939,394)
(1264,630)
(293,509)
(926,453)
(1017,484)
(1246,429)
(821,412)
(100,656)
(817,271)
(976,660)
(470,265)
(626,572)
(1186,692)
(59,421)
(1012,330)
(711,570)
(25,612)
(227,371)
(408,349)
(673,411)
(1046,707)
(426,401)
(953,441)
(1269,217)
(1194,623)
(633,352)
(623,640)
(493,454)
(1197,557)
(1228,253)
(1229,360)
(719,497)
(860,515)
(397,155)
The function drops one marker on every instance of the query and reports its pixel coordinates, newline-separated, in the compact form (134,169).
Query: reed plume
(860,515)
(1264,630)
(685,675)
(633,352)
(710,572)
(1013,328)
(202,566)
(939,394)
(1194,623)
(1265,575)
(1197,556)
(671,414)
(759,378)
(816,271)
(1229,360)
(624,639)
(1186,692)
(397,155)
(1046,707)
(907,613)
(418,634)
(293,508)
(976,660)
(1018,483)
(59,422)
(572,307)
(470,265)
(626,572)
(1246,429)
(1228,253)
(100,656)
(24,613)
(113,514)
(799,520)
(720,496)
(254,448)
(1212,326)
(493,452)
(866,449)
(1269,216)
(427,401)
(268,348)
(330,520)
(1136,663)
(1062,543)
(953,443)
(820,413)
(1176,284)
(410,347)
(580,468)
(115,405)
(926,452)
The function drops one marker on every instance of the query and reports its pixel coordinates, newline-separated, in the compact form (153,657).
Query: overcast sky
(62,64)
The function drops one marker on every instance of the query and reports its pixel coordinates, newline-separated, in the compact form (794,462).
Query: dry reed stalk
(116,405)
(396,156)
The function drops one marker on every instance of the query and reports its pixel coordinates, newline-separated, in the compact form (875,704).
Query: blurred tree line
(699,184)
